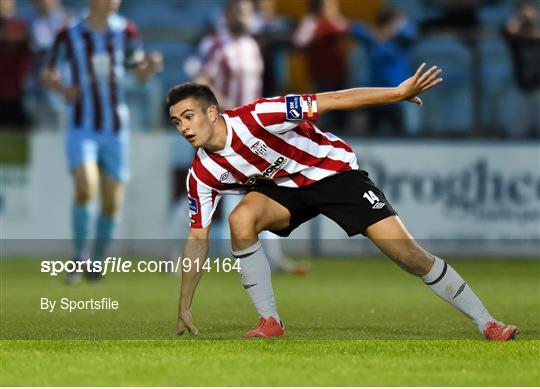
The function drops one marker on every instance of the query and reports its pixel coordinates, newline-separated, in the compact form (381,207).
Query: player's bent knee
(241,217)
(242,221)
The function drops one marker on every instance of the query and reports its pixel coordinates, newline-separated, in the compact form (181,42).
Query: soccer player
(99,49)
(292,171)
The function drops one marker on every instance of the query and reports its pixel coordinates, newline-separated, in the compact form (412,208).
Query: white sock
(257,280)
(449,285)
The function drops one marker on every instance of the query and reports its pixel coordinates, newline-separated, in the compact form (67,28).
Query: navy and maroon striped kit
(97,62)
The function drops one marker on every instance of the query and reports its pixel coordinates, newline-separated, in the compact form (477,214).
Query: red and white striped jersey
(269,139)
(234,66)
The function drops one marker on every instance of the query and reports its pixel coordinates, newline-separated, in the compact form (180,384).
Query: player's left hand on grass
(185,321)
(418,83)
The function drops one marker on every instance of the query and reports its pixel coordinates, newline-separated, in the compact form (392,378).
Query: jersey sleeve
(134,45)
(59,50)
(202,202)
(284,113)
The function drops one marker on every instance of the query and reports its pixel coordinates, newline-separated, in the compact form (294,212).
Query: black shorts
(350,199)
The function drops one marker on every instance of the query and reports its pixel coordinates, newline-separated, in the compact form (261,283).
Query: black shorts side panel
(350,199)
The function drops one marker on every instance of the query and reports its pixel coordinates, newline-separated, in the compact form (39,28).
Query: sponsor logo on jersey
(193,206)
(379,205)
(293,107)
(224,177)
(273,169)
(259,148)
(309,102)
(269,172)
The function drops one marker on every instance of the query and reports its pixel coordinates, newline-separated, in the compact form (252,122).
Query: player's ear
(213,113)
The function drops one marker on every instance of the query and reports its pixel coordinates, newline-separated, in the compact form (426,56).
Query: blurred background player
(100,48)
(231,63)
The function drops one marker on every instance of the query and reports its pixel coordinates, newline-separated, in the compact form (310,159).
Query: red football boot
(266,328)
(499,331)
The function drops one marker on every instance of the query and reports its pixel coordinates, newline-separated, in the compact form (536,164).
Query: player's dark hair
(202,93)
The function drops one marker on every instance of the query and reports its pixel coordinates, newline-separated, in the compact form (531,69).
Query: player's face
(192,121)
(238,17)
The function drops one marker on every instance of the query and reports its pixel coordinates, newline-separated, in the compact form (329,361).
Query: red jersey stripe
(301,180)
(244,151)
(207,178)
(223,162)
(288,150)
(307,130)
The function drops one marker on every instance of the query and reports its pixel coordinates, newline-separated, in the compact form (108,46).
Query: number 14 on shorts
(373,200)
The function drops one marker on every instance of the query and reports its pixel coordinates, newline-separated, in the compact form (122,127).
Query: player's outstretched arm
(356,98)
(196,246)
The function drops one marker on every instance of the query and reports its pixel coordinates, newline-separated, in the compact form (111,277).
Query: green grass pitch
(349,323)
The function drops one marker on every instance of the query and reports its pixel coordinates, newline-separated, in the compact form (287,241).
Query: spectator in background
(14,67)
(48,20)
(323,36)
(388,44)
(457,16)
(272,33)
(522,33)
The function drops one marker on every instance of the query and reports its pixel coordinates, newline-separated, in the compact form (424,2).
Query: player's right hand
(418,83)
(185,321)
